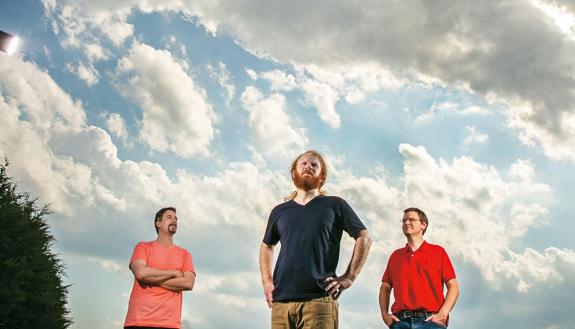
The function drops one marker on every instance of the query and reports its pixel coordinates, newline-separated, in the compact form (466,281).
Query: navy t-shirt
(310,237)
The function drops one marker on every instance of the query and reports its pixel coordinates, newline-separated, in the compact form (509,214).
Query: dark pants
(415,323)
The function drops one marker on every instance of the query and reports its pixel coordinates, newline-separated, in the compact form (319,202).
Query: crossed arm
(173,280)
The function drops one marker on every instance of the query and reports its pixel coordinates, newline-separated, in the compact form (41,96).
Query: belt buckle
(407,314)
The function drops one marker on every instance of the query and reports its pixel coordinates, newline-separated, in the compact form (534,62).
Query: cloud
(23,83)
(224,78)
(86,73)
(479,215)
(450,108)
(271,125)
(95,52)
(474,136)
(477,212)
(279,80)
(323,98)
(117,126)
(176,114)
(455,46)
(252,74)
(500,60)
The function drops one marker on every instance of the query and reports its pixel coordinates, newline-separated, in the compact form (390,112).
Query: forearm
(359,256)
(450,297)
(266,262)
(384,293)
(184,283)
(154,276)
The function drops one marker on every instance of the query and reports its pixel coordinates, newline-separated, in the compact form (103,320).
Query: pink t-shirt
(156,306)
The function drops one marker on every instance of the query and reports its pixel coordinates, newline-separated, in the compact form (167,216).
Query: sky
(111,110)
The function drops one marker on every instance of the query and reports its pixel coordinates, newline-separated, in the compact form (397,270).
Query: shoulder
(144,244)
(181,249)
(397,252)
(333,200)
(282,206)
(435,248)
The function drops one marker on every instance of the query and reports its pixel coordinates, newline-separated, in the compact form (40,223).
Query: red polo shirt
(417,278)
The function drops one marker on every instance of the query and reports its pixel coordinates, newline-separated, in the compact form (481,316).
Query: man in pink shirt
(162,270)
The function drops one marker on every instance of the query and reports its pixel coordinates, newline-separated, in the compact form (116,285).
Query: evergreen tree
(32,294)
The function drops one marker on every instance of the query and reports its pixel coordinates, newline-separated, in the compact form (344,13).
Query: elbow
(189,286)
(139,276)
(367,240)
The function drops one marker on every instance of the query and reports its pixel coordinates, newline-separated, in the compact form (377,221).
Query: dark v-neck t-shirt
(310,238)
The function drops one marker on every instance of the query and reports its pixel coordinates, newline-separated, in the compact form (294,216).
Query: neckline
(162,245)
(310,201)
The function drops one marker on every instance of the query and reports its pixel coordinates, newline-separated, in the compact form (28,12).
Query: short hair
(421,214)
(323,170)
(159,215)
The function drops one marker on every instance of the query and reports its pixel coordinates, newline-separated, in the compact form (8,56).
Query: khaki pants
(318,313)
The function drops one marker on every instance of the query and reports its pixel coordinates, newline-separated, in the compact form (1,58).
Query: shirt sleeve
(140,252)
(271,236)
(351,223)
(188,263)
(387,274)
(447,271)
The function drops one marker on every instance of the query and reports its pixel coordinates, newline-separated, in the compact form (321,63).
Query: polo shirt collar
(421,248)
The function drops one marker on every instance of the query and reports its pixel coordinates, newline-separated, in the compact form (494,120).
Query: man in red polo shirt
(417,273)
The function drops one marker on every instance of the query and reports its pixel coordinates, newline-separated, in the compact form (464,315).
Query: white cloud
(468,46)
(279,80)
(558,14)
(117,126)
(252,74)
(95,52)
(533,130)
(86,73)
(474,136)
(224,78)
(450,108)
(176,114)
(323,98)
(455,47)
(475,212)
(32,89)
(478,214)
(271,125)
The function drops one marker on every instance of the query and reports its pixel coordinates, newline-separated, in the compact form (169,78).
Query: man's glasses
(411,220)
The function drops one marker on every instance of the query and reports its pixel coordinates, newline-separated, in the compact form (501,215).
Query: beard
(172,229)
(306,183)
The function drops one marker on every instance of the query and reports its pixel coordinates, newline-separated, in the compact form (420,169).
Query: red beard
(306,183)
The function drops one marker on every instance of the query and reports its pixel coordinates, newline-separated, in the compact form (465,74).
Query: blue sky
(113,109)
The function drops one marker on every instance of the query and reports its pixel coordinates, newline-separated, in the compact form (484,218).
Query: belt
(413,314)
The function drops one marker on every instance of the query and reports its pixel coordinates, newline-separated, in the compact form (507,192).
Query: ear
(158,223)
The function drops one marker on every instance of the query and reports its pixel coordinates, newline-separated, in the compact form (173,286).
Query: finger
(335,288)
(331,286)
(326,280)
(395,318)
(337,293)
(269,297)
(269,303)
(428,318)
